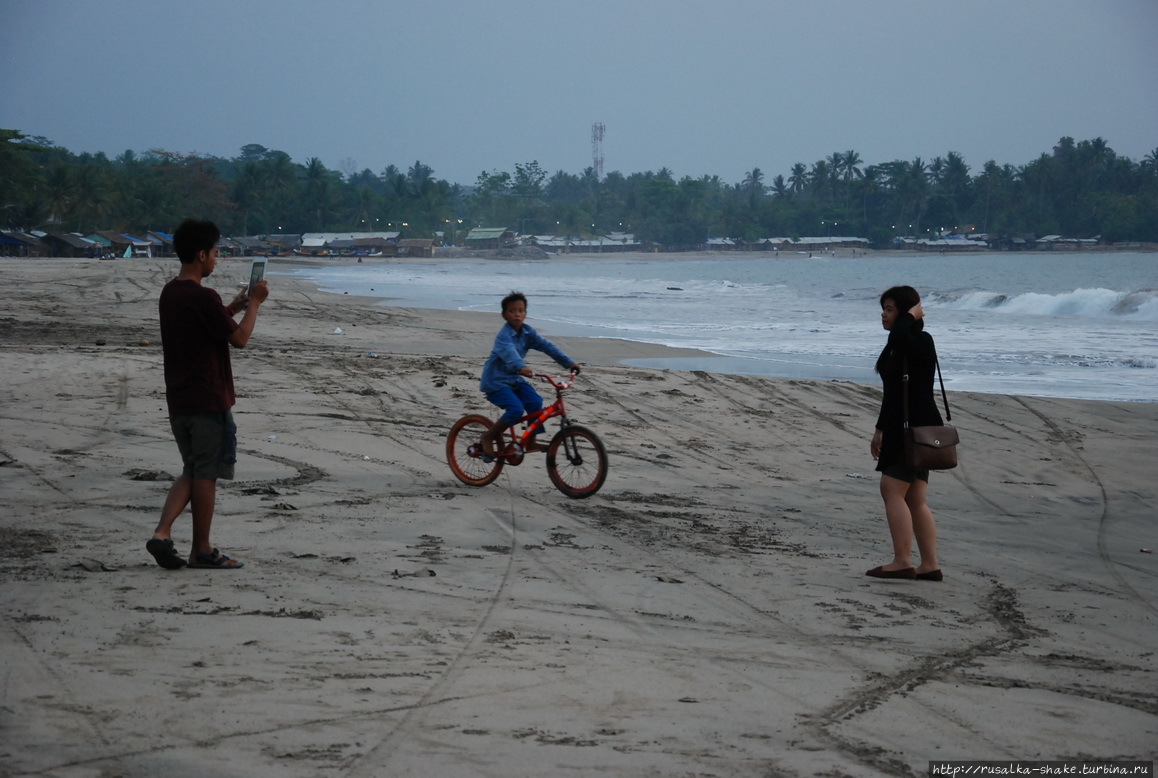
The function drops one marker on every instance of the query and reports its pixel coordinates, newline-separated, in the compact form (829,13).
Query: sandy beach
(705,614)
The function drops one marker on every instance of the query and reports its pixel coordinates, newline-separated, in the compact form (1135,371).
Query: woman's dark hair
(514,297)
(904,297)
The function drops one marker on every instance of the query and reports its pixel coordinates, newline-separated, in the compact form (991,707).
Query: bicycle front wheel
(577,462)
(464,452)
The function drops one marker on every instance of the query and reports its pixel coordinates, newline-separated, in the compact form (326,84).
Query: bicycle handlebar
(559,382)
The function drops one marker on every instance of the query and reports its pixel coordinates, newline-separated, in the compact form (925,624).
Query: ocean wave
(1098,302)
(1065,360)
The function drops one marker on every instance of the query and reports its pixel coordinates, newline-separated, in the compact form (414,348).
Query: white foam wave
(1089,303)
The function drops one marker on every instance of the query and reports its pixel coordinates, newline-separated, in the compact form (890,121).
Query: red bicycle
(576,459)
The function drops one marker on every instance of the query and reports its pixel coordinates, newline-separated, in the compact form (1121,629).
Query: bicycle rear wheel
(577,462)
(464,452)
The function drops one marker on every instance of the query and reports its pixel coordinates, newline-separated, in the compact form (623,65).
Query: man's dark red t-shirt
(195,330)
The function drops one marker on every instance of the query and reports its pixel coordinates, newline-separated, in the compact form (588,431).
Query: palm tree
(798,179)
(850,164)
(1039,179)
(936,170)
(849,169)
(61,192)
(835,162)
(91,197)
(779,187)
(247,192)
(956,183)
(820,177)
(754,181)
(909,184)
(917,187)
(420,179)
(868,181)
(1149,164)
(317,190)
(991,177)
(753,184)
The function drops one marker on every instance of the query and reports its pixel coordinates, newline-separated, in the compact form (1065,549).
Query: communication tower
(597,149)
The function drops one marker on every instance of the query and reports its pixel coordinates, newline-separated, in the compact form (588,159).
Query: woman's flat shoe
(932,575)
(905,572)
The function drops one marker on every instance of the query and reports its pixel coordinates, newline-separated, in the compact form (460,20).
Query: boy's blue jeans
(516,400)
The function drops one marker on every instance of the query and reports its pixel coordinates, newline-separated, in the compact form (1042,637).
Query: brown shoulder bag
(933,447)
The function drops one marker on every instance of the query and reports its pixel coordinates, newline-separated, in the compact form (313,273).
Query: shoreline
(705,613)
(972,370)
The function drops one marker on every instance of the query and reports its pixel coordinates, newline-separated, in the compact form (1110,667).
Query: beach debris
(100,342)
(424,573)
(95,566)
(366,458)
(501,636)
(139,474)
(143,342)
(372,354)
(1146,550)
(337,330)
(272,437)
(854,475)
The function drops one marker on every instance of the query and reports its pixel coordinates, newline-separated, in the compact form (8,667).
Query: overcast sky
(701,87)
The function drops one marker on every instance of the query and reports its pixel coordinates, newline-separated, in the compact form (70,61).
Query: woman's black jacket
(906,343)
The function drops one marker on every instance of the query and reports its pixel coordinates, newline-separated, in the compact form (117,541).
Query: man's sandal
(165,553)
(213,561)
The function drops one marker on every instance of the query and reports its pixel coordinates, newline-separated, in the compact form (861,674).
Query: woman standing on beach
(904,490)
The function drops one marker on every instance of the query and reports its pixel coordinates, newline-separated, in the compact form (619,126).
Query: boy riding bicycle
(502,377)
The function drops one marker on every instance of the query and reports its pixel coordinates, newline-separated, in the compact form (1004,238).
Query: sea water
(1074,325)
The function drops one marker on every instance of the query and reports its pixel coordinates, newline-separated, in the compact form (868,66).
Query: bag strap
(905,389)
(944,397)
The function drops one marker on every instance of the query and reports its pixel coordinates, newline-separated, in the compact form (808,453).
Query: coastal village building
(612,242)
(121,245)
(109,244)
(802,245)
(416,247)
(324,243)
(64,244)
(489,238)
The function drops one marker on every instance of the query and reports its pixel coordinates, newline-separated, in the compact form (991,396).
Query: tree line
(1079,189)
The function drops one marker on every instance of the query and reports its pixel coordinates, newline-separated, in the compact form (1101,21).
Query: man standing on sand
(196,333)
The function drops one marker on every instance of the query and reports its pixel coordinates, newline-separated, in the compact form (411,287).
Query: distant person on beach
(196,333)
(904,490)
(502,376)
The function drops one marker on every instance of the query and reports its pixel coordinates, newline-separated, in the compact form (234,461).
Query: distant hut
(22,244)
(67,244)
(162,243)
(489,238)
(416,247)
(376,246)
(114,242)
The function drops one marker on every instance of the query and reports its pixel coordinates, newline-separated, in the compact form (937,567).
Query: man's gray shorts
(207,442)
